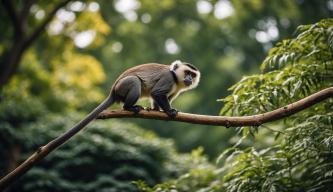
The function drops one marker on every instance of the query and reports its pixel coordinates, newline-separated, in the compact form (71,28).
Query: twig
(277,131)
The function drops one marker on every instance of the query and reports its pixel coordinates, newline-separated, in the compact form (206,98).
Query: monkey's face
(187,74)
(189,78)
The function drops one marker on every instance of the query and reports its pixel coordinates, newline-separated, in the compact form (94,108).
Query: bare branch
(44,23)
(254,120)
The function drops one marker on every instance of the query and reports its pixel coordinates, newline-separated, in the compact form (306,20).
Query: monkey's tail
(91,116)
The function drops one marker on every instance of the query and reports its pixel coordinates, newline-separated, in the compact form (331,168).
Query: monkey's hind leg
(129,89)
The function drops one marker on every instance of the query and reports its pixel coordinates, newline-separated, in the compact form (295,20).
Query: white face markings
(180,70)
(173,64)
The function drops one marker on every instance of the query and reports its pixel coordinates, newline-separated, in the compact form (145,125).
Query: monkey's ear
(174,65)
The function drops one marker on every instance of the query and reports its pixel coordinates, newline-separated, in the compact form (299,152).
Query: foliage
(293,69)
(301,160)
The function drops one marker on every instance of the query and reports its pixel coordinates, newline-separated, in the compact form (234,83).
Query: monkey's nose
(188,81)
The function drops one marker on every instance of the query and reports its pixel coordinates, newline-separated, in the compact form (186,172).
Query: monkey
(162,83)
(159,82)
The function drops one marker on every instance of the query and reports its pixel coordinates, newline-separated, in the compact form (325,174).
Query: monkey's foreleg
(154,106)
(163,102)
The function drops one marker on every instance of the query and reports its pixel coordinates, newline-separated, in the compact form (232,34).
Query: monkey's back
(149,74)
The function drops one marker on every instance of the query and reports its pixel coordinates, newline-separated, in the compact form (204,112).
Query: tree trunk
(11,60)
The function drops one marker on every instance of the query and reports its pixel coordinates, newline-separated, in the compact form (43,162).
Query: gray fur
(149,75)
(128,89)
(164,85)
(160,82)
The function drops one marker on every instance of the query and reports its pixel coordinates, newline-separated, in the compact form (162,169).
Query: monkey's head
(187,74)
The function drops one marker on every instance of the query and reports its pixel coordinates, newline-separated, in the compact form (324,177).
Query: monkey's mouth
(187,82)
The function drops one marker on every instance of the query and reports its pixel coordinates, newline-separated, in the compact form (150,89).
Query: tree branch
(254,120)
(22,40)
(24,14)
(13,16)
(26,8)
(44,23)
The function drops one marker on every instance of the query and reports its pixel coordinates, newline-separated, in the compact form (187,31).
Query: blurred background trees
(71,64)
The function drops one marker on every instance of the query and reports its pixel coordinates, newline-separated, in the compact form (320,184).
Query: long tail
(46,149)
(85,121)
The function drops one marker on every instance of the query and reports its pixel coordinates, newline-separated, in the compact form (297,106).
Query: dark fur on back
(149,74)
(191,66)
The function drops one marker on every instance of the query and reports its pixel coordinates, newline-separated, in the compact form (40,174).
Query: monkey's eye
(193,75)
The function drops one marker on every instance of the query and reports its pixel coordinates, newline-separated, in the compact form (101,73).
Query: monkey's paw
(135,108)
(172,113)
(152,109)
